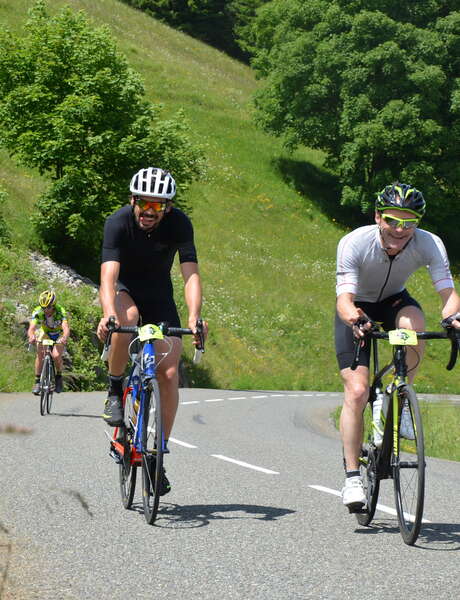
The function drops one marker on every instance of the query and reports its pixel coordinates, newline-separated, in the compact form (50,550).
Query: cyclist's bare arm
(193,294)
(451,305)
(107,293)
(65,332)
(31,333)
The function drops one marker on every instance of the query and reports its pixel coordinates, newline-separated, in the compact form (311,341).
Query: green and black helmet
(401,196)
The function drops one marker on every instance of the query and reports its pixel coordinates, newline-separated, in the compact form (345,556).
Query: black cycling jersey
(146,258)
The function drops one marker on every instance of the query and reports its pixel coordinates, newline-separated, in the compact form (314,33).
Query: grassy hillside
(267,223)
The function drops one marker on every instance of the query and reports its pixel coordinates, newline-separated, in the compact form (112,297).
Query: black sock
(37,378)
(115,384)
(353,474)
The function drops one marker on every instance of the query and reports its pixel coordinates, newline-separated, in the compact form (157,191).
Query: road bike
(140,442)
(396,457)
(47,377)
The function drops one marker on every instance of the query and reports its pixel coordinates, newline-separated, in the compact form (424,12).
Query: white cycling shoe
(353,495)
(406,427)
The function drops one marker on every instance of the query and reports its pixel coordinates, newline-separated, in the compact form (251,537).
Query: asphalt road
(254,512)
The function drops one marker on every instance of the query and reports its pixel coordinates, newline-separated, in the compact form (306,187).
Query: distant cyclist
(373,265)
(140,243)
(49,320)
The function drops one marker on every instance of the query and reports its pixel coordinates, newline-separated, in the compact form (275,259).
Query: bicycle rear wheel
(371,483)
(409,471)
(45,385)
(127,471)
(152,452)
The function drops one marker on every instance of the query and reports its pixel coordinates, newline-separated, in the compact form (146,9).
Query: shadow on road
(176,516)
(56,414)
(445,536)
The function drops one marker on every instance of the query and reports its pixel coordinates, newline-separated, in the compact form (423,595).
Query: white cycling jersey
(365,269)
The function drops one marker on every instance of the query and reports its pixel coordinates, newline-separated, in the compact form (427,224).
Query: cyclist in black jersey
(373,265)
(140,243)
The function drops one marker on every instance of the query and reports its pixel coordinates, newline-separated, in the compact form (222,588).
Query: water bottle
(379,411)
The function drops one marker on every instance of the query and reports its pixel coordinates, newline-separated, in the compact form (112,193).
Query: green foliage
(374,84)
(70,105)
(5,235)
(216,22)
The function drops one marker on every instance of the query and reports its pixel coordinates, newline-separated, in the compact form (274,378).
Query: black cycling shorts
(383,312)
(151,310)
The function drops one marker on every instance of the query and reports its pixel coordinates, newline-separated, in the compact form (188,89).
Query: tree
(71,107)
(375,84)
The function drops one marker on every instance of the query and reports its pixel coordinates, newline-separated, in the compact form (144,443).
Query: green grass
(267,222)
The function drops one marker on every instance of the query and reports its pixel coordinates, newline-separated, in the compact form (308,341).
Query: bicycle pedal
(116,457)
(357,509)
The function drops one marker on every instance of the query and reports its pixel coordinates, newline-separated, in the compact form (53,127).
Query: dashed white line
(215,400)
(180,443)
(382,507)
(258,396)
(191,402)
(237,398)
(245,464)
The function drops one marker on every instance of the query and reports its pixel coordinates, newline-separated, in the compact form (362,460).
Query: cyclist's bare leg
(356,393)
(58,351)
(127,316)
(168,380)
(411,317)
(39,359)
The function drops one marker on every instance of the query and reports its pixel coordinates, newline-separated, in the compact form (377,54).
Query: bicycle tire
(127,471)
(152,453)
(409,471)
(44,385)
(371,483)
(52,383)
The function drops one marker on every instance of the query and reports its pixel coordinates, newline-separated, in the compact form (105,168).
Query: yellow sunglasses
(394,222)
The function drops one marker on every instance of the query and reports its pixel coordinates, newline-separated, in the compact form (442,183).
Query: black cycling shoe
(113,411)
(165,486)
(58,384)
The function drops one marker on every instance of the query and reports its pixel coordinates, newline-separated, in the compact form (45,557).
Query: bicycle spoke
(152,453)
(409,471)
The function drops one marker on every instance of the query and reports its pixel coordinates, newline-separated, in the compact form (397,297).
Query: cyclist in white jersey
(373,265)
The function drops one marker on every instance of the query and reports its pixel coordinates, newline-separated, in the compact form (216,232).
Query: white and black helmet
(153,182)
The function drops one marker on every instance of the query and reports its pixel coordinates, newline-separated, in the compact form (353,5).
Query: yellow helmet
(47,298)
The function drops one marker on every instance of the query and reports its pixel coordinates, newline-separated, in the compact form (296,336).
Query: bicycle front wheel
(152,452)
(409,467)
(51,379)
(45,384)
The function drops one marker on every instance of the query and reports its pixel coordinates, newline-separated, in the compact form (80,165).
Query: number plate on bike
(150,332)
(403,337)
(47,342)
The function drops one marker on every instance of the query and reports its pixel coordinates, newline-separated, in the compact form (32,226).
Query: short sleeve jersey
(146,258)
(49,324)
(365,269)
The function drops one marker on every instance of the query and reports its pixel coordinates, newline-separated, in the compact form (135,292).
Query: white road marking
(191,402)
(381,507)
(276,395)
(258,396)
(215,400)
(245,464)
(237,398)
(179,443)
